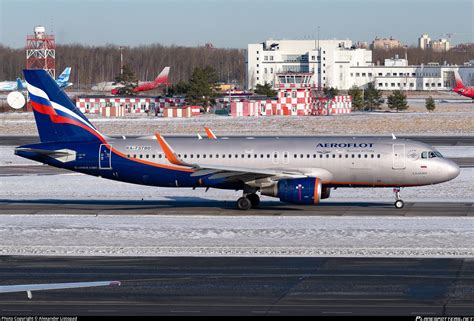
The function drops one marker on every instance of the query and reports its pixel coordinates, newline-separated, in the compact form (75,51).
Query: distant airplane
(29,288)
(297,170)
(460,88)
(19,85)
(161,80)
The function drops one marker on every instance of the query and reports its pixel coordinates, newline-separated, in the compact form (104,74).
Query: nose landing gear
(398,203)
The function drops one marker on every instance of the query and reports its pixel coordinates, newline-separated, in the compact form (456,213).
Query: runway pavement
(243,286)
(431,140)
(204,207)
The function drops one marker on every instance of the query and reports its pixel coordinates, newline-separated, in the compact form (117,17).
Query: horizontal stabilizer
(62,155)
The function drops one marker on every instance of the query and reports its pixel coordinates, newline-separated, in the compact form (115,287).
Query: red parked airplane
(460,88)
(162,79)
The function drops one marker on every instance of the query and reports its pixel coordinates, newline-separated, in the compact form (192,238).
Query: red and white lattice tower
(41,51)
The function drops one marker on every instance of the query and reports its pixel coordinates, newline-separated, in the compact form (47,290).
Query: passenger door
(105,156)
(398,156)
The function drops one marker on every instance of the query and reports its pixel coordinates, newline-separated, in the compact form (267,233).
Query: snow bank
(112,235)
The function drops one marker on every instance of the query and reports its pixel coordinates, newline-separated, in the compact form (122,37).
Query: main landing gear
(248,201)
(398,203)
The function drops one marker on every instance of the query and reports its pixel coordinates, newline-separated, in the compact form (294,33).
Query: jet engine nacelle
(295,191)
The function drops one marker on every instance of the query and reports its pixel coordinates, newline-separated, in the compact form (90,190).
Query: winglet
(210,133)
(169,152)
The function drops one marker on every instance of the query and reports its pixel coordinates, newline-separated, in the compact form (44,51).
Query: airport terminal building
(339,64)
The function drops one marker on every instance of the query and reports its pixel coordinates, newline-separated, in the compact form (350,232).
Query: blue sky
(233,23)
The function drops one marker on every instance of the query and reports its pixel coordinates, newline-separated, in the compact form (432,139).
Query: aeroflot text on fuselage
(343,145)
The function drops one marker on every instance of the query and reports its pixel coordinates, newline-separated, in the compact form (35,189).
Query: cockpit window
(431,154)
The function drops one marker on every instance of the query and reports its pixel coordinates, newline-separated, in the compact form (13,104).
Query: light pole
(121,60)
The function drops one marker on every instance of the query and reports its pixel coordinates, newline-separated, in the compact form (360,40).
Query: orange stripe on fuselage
(316,193)
(174,168)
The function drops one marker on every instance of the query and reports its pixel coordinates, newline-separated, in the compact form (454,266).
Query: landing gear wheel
(244,203)
(399,204)
(254,199)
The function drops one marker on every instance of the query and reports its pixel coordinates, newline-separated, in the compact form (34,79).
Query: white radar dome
(16,100)
(39,31)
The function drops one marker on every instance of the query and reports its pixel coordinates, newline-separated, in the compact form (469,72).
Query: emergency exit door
(398,156)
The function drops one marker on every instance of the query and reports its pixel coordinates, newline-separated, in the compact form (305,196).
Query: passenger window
(242,155)
(210,155)
(378,155)
(372,156)
(308,156)
(268,155)
(249,156)
(333,155)
(359,155)
(155,155)
(327,155)
(203,155)
(320,155)
(365,156)
(197,156)
(223,155)
(141,156)
(230,155)
(185,156)
(353,155)
(159,156)
(340,155)
(147,155)
(128,155)
(261,155)
(217,155)
(347,155)
(255,155)
(314,155)
(301,155)
(135,156)
(191,156)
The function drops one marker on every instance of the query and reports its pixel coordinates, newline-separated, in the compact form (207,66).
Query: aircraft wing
(244,174)
(28,288)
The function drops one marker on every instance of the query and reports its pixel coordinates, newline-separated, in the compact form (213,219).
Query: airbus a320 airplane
(295,170)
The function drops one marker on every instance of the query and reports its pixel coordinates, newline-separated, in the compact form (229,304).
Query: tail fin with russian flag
(57,118)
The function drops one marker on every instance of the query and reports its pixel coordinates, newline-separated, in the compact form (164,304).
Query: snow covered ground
(106,235)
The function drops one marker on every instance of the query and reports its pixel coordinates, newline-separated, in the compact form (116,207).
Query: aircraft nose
(452,170)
